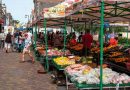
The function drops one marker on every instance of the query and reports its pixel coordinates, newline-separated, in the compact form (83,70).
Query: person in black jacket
(8,41)
(80,37)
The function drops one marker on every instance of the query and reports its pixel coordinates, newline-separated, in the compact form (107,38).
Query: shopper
(49,38)
(69,36)
(20,42)
(41,37)
(15,37)
(87,43)
(2,38)
(52,37)
(80,37)
(107,36)
(28,42)
(8,41)
(57,40)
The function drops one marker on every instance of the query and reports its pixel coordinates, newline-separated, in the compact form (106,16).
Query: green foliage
(123,41)
(96,28)
(79,27)
(118,29)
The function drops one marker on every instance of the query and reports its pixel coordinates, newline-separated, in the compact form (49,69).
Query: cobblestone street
(21,76)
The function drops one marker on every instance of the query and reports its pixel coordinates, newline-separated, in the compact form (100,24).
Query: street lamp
(29,19)
(27,16)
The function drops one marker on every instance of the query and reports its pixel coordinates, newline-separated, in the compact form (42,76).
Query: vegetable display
(86,74)
(64,61)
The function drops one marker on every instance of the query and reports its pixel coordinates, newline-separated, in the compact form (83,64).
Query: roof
(49,3)
(114,11)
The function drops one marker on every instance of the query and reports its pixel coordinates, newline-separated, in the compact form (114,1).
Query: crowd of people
(19,41)
(86,38)
(54,39)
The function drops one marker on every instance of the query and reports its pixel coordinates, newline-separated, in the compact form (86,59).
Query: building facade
(39,5)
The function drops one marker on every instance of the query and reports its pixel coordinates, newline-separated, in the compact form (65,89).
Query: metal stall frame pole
(35,34)
(35,39)
(127,37)
(91,26)
(32,29)
(101,44)
(46,45)
(71,26)
(65,24)
(36,31)
(85,26)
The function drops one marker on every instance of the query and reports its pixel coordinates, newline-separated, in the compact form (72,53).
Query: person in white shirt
(28,42)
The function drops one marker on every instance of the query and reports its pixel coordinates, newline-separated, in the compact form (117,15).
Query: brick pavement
(21,76)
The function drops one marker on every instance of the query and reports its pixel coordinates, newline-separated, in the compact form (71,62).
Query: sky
(19,8)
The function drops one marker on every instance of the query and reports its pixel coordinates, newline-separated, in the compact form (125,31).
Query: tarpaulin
(66,8)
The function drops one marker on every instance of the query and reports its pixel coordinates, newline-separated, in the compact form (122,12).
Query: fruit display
(111,53)
(105,49)
(85,60)
(72,69)
(122,59)
(40,48)
(95,49)
(53,52)
(56,52)
(68,60)
(87,75)
(114,54)
(63,61)
(41,51)
(77,47)
(76,58)
(103,66)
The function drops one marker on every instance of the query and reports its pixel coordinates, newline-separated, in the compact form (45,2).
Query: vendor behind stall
(80,37)
(113,41)
(57,40)
(73,41)
(87,43)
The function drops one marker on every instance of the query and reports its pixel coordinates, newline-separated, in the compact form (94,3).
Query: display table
(93,86)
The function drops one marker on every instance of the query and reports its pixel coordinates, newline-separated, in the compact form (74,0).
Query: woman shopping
(27,45)
(8,41)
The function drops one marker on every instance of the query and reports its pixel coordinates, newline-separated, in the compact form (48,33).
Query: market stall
(90,12)
(52,16)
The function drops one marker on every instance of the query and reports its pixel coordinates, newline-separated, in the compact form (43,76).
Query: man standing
(15,40)
(80,37)
(8,41)
(28,43)
(87,42)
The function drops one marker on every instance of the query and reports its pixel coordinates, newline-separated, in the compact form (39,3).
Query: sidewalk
(21,76)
